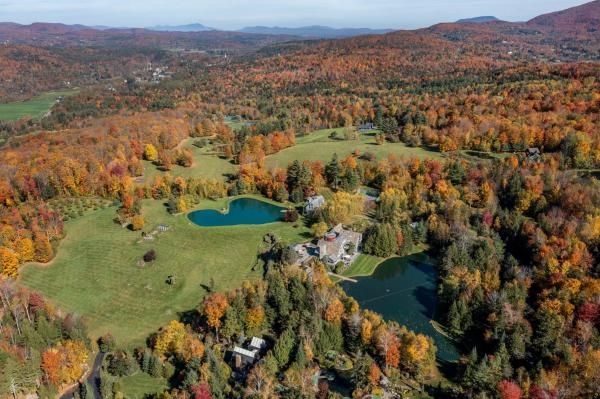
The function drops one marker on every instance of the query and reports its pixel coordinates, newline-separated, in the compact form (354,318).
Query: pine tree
(332,172)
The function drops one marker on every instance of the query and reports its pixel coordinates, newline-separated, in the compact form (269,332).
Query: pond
(240,211)
(404,289)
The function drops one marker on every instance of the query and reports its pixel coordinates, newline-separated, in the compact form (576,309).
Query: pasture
(34,108)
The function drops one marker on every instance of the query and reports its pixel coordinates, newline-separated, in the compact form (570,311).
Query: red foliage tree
(201,391)
(509,390)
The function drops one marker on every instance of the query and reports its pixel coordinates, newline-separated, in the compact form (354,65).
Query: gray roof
(335,248)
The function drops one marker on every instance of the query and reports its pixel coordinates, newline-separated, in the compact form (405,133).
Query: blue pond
(241,211)
(404,289)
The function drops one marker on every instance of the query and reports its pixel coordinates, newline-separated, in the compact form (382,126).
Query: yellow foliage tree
(254,318)
(25,249)
(9,262)
(319,229)
(171,338)
(334,311)
(150,153)
(137,222)
(344,207)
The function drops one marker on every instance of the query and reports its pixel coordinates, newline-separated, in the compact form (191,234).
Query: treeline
(41,350)
(99,160)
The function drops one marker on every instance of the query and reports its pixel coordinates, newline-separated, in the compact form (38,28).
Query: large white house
(339,245)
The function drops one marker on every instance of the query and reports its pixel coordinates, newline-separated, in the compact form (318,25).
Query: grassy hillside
(206,164)
(34,108)
(318,146)
(96,272)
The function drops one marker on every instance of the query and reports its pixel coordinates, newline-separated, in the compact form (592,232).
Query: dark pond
(404,289)
(241,211)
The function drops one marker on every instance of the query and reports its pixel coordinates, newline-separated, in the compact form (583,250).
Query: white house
(313,203)
(335,246)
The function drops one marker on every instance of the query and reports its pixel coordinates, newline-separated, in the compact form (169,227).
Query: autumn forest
(475,144)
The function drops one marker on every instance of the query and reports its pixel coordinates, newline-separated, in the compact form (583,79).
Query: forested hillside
(478,144)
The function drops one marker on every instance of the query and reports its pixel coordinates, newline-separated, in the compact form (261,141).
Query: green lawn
(96,274)
(34,108)
(318,146)
(206,164)
(364,265)
(140,385)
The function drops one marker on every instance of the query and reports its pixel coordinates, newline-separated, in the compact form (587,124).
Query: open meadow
(96,272)
(205,164)
(319,146)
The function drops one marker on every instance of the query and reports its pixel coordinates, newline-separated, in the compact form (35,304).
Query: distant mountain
(477,20)
(52,34)
(181,28)
(586,16)
(315,31)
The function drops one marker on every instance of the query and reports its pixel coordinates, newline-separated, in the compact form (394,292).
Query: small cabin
(246,355)
(243,357)
(365,127)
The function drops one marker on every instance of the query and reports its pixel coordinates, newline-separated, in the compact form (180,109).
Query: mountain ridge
(478,20)
(316,31)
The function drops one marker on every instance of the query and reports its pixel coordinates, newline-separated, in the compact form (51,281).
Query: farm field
(34,108)
(318,146)
(96,273)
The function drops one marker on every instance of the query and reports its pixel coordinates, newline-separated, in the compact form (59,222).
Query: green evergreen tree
(283,347)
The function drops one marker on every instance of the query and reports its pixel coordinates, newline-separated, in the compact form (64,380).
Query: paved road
(91,380)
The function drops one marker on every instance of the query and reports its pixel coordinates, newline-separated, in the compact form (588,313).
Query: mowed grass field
(140,385)
(206,164)
(318,146)
(96,273)
(34,108)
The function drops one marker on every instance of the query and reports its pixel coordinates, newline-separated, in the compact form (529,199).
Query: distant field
(206,164)
(318,146)
(34,108)
(96,272)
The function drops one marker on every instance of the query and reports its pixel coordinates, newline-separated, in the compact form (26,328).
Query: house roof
(333,249)
(257,342)
(243,352)
(316,200)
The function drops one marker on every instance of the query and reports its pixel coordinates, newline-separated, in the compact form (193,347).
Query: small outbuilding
(313,203)
(365,127)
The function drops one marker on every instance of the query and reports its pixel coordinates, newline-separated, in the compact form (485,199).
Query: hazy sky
(233,14)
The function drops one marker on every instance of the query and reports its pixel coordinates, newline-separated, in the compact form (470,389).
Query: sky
(235,14)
